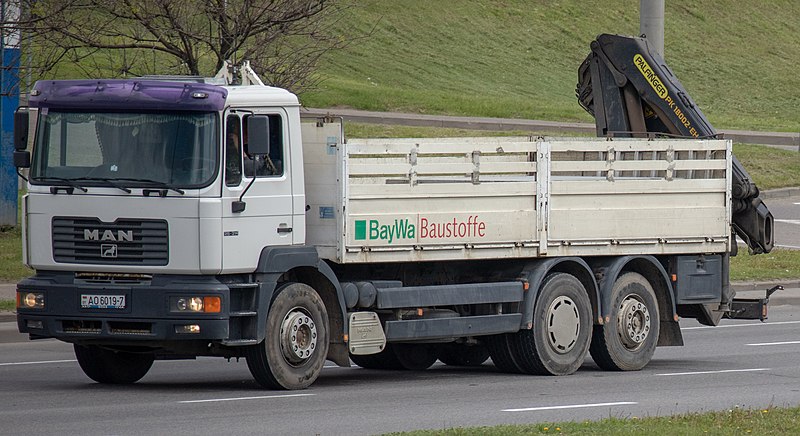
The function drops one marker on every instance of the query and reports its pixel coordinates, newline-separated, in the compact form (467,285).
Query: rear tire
(502,356)
(562,328)
(628,341)
(112,367)
(386,359)
(463,355)
(414,357)
(293,352)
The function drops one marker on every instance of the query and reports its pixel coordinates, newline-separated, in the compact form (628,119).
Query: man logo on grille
(108,251)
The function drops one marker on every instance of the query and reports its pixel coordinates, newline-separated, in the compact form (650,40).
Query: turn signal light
(204,304)
(212,304)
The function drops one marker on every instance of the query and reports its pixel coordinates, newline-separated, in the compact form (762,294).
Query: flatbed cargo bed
(398,200)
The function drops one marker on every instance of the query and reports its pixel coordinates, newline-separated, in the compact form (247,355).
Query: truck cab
(150,206)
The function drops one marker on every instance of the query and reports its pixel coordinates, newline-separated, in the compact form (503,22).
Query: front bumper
(146,316)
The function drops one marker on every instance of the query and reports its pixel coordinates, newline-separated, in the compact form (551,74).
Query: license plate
(89,301)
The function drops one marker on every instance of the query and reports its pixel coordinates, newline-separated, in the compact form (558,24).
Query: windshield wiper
(155,183)
(54,189)
(110,182)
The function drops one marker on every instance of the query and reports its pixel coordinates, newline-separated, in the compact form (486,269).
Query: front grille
(122,242)
(111,278)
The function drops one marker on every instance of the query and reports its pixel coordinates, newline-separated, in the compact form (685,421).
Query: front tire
(628,341)
(112,367)
(293,352)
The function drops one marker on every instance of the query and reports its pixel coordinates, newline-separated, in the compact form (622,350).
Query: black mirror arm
(239,205)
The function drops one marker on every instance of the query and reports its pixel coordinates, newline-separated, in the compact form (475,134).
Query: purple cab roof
(127,94)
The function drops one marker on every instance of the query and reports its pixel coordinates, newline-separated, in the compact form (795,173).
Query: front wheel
(113,367)
(293,352)
(628,341)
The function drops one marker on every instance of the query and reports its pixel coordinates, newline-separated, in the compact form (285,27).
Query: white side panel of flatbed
(393,200)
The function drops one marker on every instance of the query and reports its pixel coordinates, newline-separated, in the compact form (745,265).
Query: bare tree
(283,39)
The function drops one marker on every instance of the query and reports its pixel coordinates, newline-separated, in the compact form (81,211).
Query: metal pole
(651,23)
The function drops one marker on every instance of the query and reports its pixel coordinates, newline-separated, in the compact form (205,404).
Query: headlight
(30,300)
(206,304)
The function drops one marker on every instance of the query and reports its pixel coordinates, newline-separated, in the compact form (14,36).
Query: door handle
(284,230)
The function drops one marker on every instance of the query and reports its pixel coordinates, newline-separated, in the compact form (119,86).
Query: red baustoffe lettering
(472,227)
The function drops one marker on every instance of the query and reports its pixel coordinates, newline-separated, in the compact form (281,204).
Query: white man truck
(174,219)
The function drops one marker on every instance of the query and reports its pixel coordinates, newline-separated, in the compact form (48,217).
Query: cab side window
(233,151)
(272,164)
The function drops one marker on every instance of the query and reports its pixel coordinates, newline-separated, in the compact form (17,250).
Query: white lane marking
(793,247)
(774,343)
(572,406)
(43,362)
(722,371)
(797,222)
(741,325)
(264,397)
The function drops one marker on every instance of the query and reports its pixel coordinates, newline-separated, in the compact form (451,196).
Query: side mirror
(258,135)
(22,159)
(21,129)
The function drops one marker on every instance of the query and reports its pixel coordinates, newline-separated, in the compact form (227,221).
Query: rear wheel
(414,357)
(293,353)
(502,355)
(562,328)
(628,341)
(463,355)
(386,359)
(113,367)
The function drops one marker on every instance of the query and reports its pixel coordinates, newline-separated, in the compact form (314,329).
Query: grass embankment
(772,421)
(518,58)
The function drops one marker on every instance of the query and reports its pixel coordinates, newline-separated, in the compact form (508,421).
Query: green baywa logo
(373,229)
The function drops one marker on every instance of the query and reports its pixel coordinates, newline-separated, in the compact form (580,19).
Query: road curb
(780,193)
(784,140)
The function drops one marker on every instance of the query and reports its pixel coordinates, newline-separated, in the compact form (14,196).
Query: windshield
(127,149)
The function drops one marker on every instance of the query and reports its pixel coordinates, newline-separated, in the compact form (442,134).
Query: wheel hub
(298,336)
(633,322)
(563,324)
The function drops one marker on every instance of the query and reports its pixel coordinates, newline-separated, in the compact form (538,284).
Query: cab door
(257,193)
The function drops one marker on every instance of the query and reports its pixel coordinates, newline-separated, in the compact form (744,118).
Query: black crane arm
(631,92)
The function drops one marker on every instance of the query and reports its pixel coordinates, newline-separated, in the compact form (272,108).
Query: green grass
(769,167)
(11,267)
(772,421)
(7,305)
(779,264)
(518,58)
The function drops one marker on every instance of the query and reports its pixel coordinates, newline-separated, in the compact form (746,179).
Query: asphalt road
(787,221)
(740,364)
